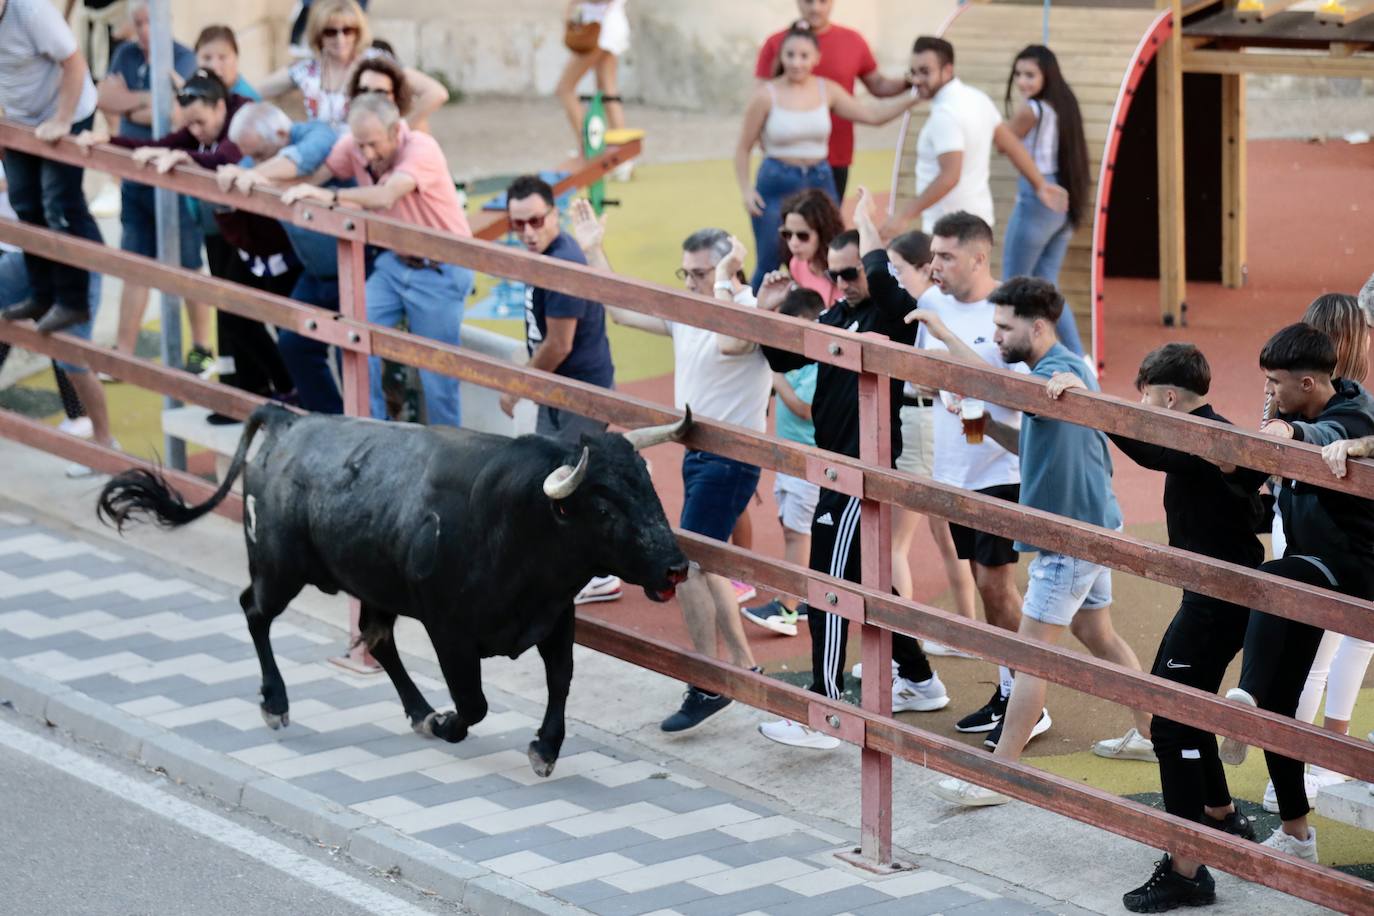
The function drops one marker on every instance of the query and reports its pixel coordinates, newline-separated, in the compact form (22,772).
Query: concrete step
(1349,802)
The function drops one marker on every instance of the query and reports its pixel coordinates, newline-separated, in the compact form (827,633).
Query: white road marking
(220,829)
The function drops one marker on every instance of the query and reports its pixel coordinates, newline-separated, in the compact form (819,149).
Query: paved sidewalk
(610,832)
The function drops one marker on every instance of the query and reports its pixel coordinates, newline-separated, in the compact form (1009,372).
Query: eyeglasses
(534,222)
(848,275)
(803,235)
(374,90)
(701,275)
(348,31)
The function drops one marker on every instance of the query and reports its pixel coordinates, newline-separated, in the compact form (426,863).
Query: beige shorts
(918,441)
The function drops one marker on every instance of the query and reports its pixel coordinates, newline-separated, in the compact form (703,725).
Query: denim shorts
(716,491)
(138,226)
(1060,584)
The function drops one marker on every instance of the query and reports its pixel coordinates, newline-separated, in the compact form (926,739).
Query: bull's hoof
(275,721)
(541,765)
(446,726)
(425,726)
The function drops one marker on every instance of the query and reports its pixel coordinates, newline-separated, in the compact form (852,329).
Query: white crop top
(1043,140)
(797,134)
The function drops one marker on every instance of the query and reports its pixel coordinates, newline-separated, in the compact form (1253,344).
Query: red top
(845,57)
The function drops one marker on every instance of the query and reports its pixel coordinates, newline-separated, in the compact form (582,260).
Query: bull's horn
(657,435)
(564,481)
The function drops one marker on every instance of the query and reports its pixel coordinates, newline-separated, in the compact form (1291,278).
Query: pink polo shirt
(433,204)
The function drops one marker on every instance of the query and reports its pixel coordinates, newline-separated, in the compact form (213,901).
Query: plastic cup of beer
(975,418)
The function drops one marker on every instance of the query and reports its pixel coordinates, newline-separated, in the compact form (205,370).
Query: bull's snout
(673,576)
(678,574)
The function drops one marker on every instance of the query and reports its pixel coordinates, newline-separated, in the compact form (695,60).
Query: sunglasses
(348,31)
(534,222)
(848,275)
(803,235)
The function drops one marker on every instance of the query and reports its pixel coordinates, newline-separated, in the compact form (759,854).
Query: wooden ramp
(1101,50)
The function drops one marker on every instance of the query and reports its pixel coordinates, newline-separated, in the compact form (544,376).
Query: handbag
(582,37)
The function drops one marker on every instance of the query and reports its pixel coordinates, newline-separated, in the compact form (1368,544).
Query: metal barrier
(868,603)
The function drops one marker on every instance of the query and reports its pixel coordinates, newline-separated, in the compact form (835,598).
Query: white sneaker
(1303,849)
(932,647)
(1311,783)
(927,696)
(1233,750)
(959,792)
(623,172)
(78,471)
(600,588)
(1131,746)
(857,672)
(785,731)
(80,427)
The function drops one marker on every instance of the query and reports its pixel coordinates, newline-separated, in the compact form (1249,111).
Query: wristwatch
(724,286)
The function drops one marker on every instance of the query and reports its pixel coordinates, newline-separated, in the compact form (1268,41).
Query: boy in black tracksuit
(1214,514)
(835,412)
(1330,544)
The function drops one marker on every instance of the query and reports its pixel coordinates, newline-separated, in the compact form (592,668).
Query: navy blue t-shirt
(130,63)
(590,359)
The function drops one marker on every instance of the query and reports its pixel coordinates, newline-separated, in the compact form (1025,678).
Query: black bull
(484,540)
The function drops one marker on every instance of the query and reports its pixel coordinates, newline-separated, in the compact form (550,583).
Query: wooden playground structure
(1156,81)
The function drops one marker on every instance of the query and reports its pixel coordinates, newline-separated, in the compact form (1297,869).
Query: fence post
(875,540)
(167,208)
(356,392)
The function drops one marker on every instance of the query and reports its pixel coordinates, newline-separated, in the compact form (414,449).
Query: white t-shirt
(958,464)
(34,40)
(732,389)
(962,119)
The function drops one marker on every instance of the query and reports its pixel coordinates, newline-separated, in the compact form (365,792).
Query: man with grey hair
(402,174)
(722,379)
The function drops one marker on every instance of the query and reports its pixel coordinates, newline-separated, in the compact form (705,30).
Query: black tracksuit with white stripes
(835,526)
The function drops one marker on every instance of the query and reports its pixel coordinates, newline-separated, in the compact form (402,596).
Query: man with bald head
(402,174)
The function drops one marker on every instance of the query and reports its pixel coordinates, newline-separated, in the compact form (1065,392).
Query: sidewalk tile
(388,806)
(467,811)
(685,800)
(672,871)
(31,625)
(316,763)
(382,767)
(517,863)
(913,882)
(568,765)
(337,787)
(769,898)
(490,765)
(941,900)
(820,882)
(846,900)
(587,892)
(437,793)
(662,850)
(331,717)
(264,753)
(668,899)
(612,819)
(520,818)
(204,712)
(762,829)
(625,773)
(500,844)
(751,876)
(567,849)
(695,821)
(149,706)
(589,869)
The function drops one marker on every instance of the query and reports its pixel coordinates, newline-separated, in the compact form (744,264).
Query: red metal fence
(869,603)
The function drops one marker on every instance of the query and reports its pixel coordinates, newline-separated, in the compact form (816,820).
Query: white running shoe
(600,588)
(1303,849)
(959,792)
(785,731)
(78,471)
(927,696)
(1311,782)
(1233,750)
(857,672)
(80,427)
(1131,746)
(932,647)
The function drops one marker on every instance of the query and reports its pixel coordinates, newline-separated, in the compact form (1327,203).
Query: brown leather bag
(582,37)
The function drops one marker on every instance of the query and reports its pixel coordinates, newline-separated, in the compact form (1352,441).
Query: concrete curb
(364,839)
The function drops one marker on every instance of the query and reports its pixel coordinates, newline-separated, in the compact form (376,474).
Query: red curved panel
(1145,52)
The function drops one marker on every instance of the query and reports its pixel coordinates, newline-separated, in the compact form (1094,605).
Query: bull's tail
(139,493)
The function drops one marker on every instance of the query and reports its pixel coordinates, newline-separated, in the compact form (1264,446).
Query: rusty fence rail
(869,603)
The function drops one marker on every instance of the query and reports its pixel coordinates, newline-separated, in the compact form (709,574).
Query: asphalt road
(87,833)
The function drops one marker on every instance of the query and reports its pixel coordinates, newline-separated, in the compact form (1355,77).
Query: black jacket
(1206,511)
(1333,526)
(835,406)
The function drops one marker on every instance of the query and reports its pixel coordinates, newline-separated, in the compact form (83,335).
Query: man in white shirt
(722,379)
(961,245)
(955,145)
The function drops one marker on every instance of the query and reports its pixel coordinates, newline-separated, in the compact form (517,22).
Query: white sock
(1004,680)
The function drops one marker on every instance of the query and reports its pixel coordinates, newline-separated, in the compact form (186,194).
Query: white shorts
(796,502)
(918,441)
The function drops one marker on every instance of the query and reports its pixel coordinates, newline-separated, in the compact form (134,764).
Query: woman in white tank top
(1050,125)
(789,119)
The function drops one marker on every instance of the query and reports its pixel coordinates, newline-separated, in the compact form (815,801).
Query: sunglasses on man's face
(534,222)
(348,31)
(848,275)
(802,235)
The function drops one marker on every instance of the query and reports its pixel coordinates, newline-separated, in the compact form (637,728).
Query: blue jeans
(14,289)
(715,491)
(138,225)
(777,181)
(1036,241)
(307,359)
(431,301)
(48,194)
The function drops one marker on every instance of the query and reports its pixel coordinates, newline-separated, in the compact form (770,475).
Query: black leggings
(835,551)
(1203,638)
(1278,655)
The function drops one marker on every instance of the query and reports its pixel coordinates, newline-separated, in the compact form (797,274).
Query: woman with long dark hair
(1050,124)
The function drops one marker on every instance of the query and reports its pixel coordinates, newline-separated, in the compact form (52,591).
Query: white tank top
(797,134)
(1043,140)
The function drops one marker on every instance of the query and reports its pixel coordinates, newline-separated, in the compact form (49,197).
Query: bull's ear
(563,481)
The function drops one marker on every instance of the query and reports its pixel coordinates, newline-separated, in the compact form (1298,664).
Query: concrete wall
(696,57)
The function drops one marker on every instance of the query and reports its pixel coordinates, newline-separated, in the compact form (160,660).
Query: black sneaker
(1042,725)
(987,718)
(697,707)
(1235,823)
(1167,889)
(199,361)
